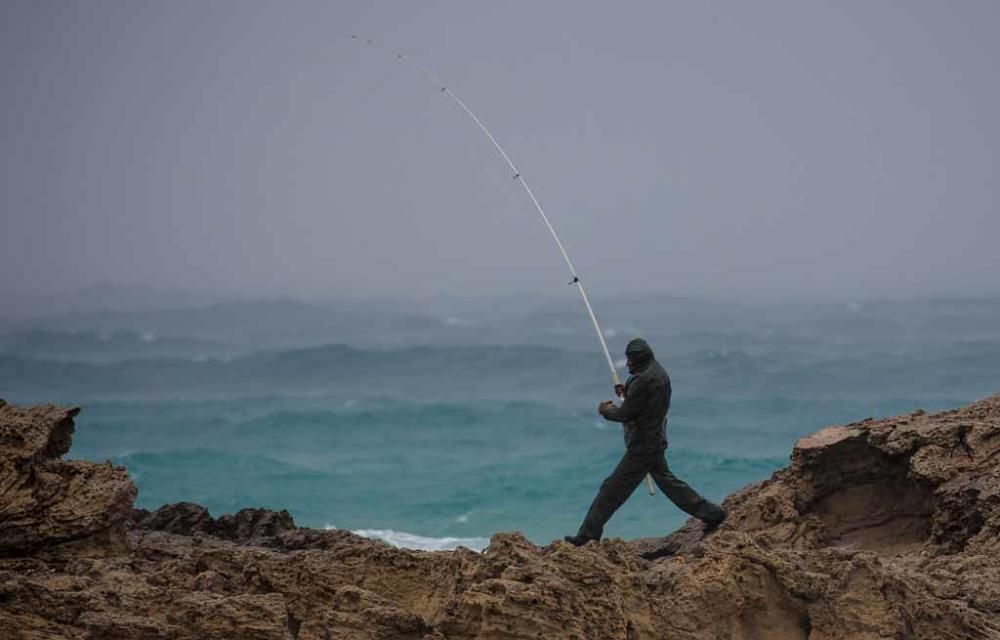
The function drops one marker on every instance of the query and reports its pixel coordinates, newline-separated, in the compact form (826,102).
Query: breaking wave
(403,540)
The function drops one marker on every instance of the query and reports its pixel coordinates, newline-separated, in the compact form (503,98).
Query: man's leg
(614,491)
(682,495)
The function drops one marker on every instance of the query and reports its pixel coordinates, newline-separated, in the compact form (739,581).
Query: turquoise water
(425,443)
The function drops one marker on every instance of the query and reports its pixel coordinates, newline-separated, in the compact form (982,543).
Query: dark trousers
(631,469)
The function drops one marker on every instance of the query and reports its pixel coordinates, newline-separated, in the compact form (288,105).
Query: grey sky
(843,148)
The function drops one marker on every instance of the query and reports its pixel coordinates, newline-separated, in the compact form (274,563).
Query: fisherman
(643,412)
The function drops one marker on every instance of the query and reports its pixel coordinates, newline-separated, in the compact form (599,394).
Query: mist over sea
(440,422)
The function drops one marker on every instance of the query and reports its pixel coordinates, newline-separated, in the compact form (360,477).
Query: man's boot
(577,541)
(713,523)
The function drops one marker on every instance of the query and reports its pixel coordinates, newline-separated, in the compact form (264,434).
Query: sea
(432,424)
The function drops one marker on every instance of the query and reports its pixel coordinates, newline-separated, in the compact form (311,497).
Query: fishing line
(616,381)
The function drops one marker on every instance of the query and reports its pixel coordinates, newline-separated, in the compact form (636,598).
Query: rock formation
(878,529)
(45,501)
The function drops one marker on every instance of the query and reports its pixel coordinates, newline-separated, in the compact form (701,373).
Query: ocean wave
(404,540)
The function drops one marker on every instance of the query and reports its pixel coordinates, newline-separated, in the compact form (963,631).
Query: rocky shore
(878,529)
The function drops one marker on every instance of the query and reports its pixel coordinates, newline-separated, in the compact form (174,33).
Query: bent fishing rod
(616,381)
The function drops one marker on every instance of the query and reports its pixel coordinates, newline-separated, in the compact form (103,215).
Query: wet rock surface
(247,526)
(878,529)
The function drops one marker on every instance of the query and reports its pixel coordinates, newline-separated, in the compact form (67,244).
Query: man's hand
(605,406)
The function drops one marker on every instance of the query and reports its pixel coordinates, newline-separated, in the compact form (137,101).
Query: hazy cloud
(761,148)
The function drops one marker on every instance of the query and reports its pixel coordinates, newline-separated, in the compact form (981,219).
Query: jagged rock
(254,525)
(46,501)
(183,518)
(879,529)
(257,526)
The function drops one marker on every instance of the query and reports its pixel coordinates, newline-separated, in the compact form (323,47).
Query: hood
(639,350)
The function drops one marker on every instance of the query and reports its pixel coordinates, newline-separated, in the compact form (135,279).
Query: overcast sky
(756,148)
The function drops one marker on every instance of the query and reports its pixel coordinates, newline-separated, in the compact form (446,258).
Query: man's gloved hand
(604,406)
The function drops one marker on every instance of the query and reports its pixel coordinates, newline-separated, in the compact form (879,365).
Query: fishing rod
(616,381)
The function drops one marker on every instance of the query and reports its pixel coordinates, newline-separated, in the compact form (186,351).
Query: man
(644,414)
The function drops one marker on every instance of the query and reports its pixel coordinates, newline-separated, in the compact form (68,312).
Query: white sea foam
(404,540)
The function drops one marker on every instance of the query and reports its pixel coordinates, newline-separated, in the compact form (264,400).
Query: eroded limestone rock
(46,501)
(879,529)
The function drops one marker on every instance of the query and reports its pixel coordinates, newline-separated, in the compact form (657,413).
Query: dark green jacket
(647,400)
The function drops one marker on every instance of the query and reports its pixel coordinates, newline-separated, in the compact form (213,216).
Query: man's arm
(631,407)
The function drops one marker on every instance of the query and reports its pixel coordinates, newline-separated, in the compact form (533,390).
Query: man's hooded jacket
(647,400)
